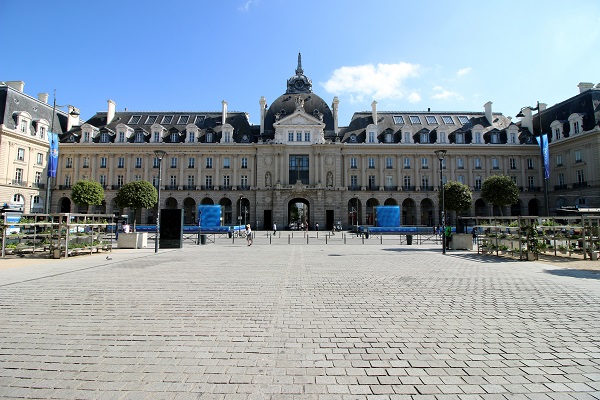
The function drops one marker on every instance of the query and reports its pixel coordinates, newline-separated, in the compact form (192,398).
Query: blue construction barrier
(411,230)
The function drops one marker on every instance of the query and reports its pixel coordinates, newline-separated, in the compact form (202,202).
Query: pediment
(299,119)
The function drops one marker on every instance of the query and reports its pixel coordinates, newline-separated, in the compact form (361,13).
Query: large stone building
(299,156)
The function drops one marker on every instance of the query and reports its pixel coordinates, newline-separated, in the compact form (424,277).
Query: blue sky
(189,55)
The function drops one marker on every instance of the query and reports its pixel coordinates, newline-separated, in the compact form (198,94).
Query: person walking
(474,233)
(249,235)
(448,236)
(274,228)
(317,226)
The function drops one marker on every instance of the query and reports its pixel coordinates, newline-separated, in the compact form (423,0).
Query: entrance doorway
(298,214)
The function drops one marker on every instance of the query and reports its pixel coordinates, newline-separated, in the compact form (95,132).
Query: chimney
(527,120)
(17,85)
(583,86)
(263,112)
(224,113)
(73,119)
(488,112)
(43,97)
(542,107)
(335,106)
(374,111)
(111,111)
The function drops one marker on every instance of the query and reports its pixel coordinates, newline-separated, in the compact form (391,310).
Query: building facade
(299,166)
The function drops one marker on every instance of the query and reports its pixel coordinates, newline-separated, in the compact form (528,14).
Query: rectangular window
(121,137)
(406,181)
(389,181)
(307,136)
(155,162)
(478,137)
(42,132)
(39,159)
(580,177)
(86,162)
(530,181)
(513,137)
(447,120)
(477,183)
(406,162)
(371,137)
(244,181)
(173,162)
(191,136)
(424,138)
(372,183)
(353,163)
(354,181)
(513,163)
(135,119)
(389,162)
(103,180)
(414,119)
(431,119)
(559,162)
(69,162)
(138,162)
(191,180)
(460,138)
(477,162)
(461,179)
(209,162)
(298,170)
(120,180)
(209,137)
(578,158)
(227,162)
(20,154)
(86,137)
(424,182)
(560,179)
(183,119)
(442,137)
(514,179)
(68,181)
(38,177)
(191,162)
(298,136)
(137,178)
(495,163)
(424,162)
(151,119)
(226,182)
(244,162)
(530,163)
(121,162)
(290,136)
(371,161)
(156,137)
(103,162)
(173,180)
(19,175)
(460,163)
(208,181)
(167,119)
(463,120)
(227,137)
(406,137)
(398,119)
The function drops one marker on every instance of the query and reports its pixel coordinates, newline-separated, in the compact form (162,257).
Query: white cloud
(246,6)
(383,81)
(442,94)
(414,97)
(463,71)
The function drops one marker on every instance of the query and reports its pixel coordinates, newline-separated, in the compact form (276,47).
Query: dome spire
(299,70)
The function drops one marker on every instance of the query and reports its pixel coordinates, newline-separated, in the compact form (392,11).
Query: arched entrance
(207,201)
(225,204)
(390,202)
(480,208)
(409,213)
(171,203)
(534,207)
(298,213)
(65,205)
(371,204)
(427,212)
(354,212)
(189,211)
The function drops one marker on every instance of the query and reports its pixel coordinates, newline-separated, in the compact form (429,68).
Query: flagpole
(51,136)
(544,166)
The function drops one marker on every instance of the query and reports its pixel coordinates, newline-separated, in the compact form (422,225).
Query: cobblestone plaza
(319,321)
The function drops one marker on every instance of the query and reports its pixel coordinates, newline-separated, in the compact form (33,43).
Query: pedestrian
(317,226)
(448,235)
(474,233)
(274,228)
(249,235)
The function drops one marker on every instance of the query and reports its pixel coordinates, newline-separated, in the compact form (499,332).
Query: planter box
(136,240)
(461,241)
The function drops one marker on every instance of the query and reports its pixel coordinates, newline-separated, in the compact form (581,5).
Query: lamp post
(53,158)
(160,155)
(441,154)
(240,209)
(521,115)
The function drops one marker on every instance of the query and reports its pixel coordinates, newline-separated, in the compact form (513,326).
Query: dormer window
(191,136)
(174,137)
(167,119)
(463,119)
(121,137)
(199,119)
(414,119)
(227,137)
(576,122)
(42,132)
(151,119)
(209,137)
(424,137)
(156,137)
(139,137)
(353,138)
(478,137)
(371,137)
(86,136)
(398,120)
(104,138)
(431,119)
(183,119)
(389,138)
(135,119)
(495,139)
(447,120)
(460,138)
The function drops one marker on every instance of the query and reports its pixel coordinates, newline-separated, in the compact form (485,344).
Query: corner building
(299,155)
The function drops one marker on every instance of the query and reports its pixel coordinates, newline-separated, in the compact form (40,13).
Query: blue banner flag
(543,142)
(53,158)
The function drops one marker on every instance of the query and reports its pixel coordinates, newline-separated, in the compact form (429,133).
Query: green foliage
(500,190)
(457,197)
(86,193)
(137,195)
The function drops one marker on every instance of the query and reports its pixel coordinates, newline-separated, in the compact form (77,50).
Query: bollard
(289,238)
(326,239)
(270,237)
(306,239)
(363,240)
(344,238)
(381,239)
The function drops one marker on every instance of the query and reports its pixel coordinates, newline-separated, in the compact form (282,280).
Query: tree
(457,197)
(500,190)
(136,195)
(86,193)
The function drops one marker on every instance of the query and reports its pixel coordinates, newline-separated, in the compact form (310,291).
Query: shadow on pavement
(575,273)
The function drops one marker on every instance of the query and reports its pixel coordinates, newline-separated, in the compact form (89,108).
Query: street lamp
(544,174)
(53,158)
(240,209)
(441,154)
(160,155)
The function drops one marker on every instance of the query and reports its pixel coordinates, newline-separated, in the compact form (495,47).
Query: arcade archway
(298,213)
